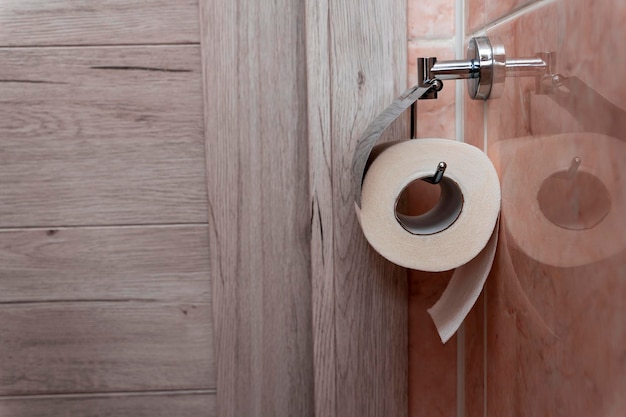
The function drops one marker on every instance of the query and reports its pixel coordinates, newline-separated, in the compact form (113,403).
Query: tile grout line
(485,353)
(460,133)
(459,52)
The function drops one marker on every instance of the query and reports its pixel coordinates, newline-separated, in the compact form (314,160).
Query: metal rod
(522,67)
(573,168)
(438,176)
(424,76)
(414,120)
(455,70)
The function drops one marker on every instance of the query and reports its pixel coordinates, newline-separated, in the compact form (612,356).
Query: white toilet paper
(578,218)
(459,232)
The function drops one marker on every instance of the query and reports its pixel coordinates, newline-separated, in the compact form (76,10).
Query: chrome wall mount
(485,69)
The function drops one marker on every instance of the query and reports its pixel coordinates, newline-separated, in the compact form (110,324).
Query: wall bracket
(485,69)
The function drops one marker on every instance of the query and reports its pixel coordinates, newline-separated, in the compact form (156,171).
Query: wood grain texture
(259,211)
(142,405)
(136,263)
(321,195)
(105,136)
(84,22)
(102,347)
(368,70)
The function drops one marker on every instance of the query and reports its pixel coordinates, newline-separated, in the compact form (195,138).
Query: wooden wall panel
(321,195)
(127,263)
(93,136)
(84,22)
(362,59)
(102,347)
(102,125)
(259,211)
(138,405)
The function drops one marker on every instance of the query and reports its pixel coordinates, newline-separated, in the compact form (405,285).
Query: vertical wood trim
(257,167)
(367,57)
(320,184)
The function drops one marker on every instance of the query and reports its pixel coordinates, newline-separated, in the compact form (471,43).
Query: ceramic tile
(474,128)
(432,366)
(592,44)
(475,359)
(475,15)
(556,327)
(496,9)
(430,19)
(509,116)
(556,317)
(436,118)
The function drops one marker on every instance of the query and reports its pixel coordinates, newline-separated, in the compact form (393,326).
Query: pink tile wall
(479,13)
(548,335)
(436,118)
(431,19)
(556,298)
(431,29)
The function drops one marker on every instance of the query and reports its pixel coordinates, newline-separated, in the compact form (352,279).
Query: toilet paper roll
(460,231)
(562,198)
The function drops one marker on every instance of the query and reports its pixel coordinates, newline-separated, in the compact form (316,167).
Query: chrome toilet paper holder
(485,70)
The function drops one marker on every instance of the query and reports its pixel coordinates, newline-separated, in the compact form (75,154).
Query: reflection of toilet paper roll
(458,232)
(563,199)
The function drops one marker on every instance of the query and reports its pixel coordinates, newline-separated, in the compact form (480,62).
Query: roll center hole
(425,209)
(574,201)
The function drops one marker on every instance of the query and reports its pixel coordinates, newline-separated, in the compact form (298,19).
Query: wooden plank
(368,70)
(102,347)
(255,112)
(321,195)
(106,135)
(137,263)
(81,22)
(143,405)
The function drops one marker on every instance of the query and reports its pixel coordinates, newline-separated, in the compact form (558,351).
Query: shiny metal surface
(438,175)
(424,76)
(485,68)
(573,168)
(525,67)
(455,70)
(480,50)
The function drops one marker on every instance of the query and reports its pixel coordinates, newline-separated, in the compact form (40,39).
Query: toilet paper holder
(485,70)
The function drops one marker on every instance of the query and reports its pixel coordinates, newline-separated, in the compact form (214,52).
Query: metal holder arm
(379,125)
(485,68)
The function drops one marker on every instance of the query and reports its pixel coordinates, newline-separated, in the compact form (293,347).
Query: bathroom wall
(431,32)
(548,336)
(556,302)
(104,272)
